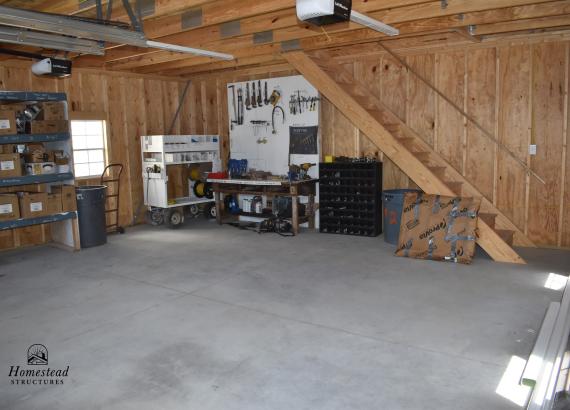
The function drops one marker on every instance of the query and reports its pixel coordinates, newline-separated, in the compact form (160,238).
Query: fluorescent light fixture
(58,24)
(188,50)
(360,18)
(12,35)
(66,25)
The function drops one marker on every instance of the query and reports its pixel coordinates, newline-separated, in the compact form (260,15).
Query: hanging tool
(235,119)
(240,107)
(257,125)
(266,101)
(275,109)
(247,98)
(293,105)
(259,99)
(299,102)
(275,97)
(253,97)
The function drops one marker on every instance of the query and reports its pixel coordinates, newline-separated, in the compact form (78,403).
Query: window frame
(90,116)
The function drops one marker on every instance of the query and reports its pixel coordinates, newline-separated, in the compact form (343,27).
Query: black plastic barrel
(91,209)
(393,201)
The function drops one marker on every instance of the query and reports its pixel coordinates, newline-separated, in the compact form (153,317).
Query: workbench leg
(219,211)
(295,211)
(311,206)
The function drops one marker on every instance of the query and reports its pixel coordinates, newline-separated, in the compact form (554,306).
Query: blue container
(393,202)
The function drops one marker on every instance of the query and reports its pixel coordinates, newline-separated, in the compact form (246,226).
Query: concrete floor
(212,317)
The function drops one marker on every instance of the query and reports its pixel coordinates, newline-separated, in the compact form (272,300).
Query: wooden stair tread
(506,235)
(488,218)
(456,187)
(438,170)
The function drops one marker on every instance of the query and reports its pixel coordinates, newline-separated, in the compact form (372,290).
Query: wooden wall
(132,105)
(517,90)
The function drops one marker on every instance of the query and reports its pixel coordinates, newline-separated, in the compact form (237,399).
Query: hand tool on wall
(299,102)
(235,118)
(266,101)
(275,109)
(240,106)
(275,97)
(259,99)
(247,98)
(253,97)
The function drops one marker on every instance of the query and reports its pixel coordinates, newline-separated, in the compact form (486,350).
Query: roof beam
(312,38)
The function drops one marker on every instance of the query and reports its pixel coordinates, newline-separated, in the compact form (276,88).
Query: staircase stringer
(387,116)
(489,240)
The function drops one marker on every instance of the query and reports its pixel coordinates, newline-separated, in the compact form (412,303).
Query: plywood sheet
(514,131)
(481,100)
(393,84)
(450,127)
(345,136)
(421,99)
(547,117)
(155,123)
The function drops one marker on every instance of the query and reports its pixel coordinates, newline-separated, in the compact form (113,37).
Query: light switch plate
(532,149)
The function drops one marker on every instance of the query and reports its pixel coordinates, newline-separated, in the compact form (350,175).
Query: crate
(350,198)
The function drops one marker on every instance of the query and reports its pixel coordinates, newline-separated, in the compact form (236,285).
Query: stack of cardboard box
(36,204)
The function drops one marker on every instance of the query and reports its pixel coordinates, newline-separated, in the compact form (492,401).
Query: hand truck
(111,177)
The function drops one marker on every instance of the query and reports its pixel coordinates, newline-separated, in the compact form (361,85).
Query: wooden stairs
(431,172)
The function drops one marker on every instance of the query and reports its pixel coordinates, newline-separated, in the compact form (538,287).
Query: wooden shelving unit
(63,227)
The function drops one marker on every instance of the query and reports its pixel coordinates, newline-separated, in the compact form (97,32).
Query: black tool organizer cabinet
(350,202)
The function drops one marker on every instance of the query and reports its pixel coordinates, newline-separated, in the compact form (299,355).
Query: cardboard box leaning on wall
(68,199)
(10,165)
(33,204)
(9,207)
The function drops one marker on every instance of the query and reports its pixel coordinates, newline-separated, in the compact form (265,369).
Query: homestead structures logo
(37,372)
(37,355)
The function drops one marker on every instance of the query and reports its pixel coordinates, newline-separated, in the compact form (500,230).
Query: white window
(89,147)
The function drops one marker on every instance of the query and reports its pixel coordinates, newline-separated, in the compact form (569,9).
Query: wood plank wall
(518,91)
(131,105)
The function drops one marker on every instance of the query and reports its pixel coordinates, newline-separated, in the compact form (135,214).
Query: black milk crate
(349,197)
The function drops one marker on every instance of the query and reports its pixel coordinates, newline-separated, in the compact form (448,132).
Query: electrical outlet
(532,149)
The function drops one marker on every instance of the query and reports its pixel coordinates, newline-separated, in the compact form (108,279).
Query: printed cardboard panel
(438,227)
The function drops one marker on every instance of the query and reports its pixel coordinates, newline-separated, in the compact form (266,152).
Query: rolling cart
(159,152)
(111,177)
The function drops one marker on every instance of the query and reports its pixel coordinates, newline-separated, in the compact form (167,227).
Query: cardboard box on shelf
(33,204)
(35,152)
(68,199)
(52,111)
(9,207)
(40,168)
(10,165)
(54,204)
(8,122)
(49,127)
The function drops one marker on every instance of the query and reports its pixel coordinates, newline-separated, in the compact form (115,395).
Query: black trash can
(91,209)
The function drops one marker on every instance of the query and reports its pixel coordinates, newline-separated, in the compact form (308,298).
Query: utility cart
(175,169)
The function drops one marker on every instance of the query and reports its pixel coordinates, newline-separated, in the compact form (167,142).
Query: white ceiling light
(189,50)
(69,26)
(12,35)
(322,12)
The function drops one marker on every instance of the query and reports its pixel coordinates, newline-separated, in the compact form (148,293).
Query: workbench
(268,188)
